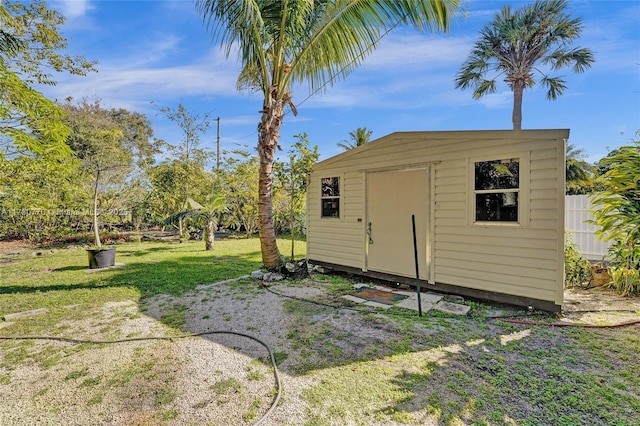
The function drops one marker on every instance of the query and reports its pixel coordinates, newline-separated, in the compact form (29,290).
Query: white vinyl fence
(583,234)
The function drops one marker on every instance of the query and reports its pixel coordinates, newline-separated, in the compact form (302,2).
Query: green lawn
(53,280)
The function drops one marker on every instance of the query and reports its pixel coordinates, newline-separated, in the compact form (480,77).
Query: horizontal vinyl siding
(337,240)
(516,259)
(512,259)
(500,282)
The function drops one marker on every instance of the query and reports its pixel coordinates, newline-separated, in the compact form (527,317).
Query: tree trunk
(209,233)
(292,215)
(516,117)
(268,136)
(96,233)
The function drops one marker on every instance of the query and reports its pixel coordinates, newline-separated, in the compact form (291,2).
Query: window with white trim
(496,190)
(330,197)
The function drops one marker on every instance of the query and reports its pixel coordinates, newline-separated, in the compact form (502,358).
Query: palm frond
(319,42)
(346,31)
(180,216)
(556,87)
(485,87)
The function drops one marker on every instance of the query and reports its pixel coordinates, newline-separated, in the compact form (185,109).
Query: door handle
(369,233)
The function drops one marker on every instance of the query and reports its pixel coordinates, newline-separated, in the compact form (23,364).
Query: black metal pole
(415,255)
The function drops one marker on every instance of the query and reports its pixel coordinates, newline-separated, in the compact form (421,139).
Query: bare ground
(226,379)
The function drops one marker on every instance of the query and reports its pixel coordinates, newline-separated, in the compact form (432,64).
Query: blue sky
(159,51)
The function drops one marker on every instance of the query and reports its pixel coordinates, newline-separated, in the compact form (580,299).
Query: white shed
(488,208)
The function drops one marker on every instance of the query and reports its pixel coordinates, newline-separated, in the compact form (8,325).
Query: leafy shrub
(618,215)
(625,280)
(577,271)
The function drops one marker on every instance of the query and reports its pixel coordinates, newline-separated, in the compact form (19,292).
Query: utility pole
(218,145)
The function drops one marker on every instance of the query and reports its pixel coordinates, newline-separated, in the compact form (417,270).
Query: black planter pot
(102,257)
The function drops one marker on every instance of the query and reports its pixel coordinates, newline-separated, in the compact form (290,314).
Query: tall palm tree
(515,43)
(284,42)
(360,136)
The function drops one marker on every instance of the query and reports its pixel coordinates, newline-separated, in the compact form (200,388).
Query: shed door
(392,197)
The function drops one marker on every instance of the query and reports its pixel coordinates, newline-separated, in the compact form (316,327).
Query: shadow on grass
(67,268)
(169,246)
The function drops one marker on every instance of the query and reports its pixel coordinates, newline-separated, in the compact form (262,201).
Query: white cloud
(497,100)
(135,86)
(73,9)
(400,52)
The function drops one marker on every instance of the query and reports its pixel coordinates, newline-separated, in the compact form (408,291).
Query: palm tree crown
(359,137)
(516,42)
(283,42)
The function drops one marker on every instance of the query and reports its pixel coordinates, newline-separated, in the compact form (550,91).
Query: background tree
(284,42)
(37,173)
(580,175)
(40,200)
(359,137)
(236,181)
(188,159)
(516,43)
(30,123)
(293,179)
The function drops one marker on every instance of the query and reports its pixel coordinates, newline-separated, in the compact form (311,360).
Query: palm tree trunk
(516,117)
(268,136)
(209,233)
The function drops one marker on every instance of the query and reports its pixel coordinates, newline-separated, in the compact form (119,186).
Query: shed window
(496,190)
(330,197)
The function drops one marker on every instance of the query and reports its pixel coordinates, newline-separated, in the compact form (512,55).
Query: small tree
(294,179)
(188,158)
(617,212)
(105,146)
(206,214)
(236,180)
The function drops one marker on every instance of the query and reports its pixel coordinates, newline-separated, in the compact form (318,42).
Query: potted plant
(599,275)
(101,257)
(98,143)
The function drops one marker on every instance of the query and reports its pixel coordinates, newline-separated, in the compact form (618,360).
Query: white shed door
(392,198)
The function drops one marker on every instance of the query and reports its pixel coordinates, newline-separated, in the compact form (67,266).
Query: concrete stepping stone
(353,298)
(25,314)
(425,297)
(357,286)
(108,268)
(377,305)
(412,303)
(452,308)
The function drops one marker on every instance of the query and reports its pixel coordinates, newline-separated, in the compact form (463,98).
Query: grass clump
(224,386)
